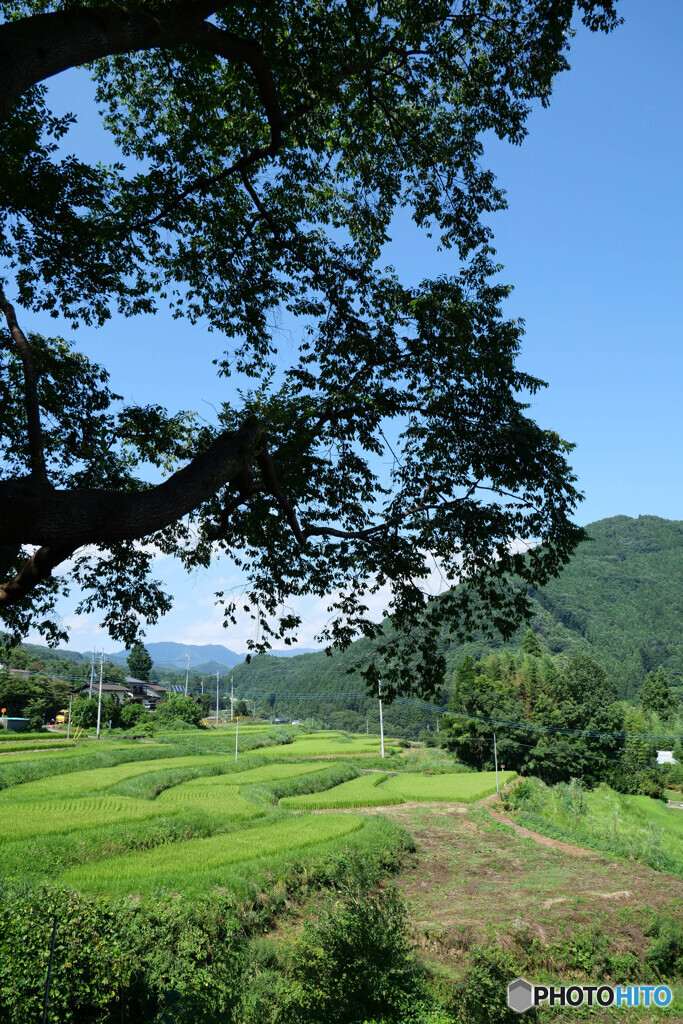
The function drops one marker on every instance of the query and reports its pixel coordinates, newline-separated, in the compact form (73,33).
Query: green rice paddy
(202,862)
(361,792)
(37,818)
(326,744)
(377,789)
(183,815)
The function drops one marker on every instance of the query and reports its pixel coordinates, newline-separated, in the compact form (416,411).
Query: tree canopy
(266,151)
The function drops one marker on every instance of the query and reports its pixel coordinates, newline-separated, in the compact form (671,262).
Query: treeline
(544,694)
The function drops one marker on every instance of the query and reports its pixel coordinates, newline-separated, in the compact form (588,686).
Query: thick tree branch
(35,432)
(30,514)
(36,48)
(8,556)
(36,569)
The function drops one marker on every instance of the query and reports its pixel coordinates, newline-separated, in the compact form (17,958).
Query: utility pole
(237,732)
(187,672)
(92,672)
(232,698)
(216,696)
(437,723)
(99,699)
(202,687)
(381,720)
(68,728)
(367,725)
(495,759)
(254,703)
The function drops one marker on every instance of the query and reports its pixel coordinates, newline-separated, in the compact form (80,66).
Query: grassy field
(657,813)
(636,827)
(201,863)
(479,892)
(360,792)
(377,789)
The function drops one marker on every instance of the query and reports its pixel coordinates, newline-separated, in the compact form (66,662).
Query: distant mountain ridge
(203,657)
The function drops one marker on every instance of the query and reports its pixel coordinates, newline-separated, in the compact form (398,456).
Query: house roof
(106,687)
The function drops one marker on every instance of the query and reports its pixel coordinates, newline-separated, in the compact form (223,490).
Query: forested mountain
(619,600)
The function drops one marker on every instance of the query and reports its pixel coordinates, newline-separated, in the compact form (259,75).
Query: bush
(282,736)
(175,708)
(481,997)
(120,961)
(665,954)
(354,964)
(133,713)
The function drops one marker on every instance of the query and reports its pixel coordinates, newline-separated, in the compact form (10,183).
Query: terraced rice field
(196,819)
(360,792)
(376,790)
(42,817)
(32,814)
(95,779)
(325,744)
(202,863)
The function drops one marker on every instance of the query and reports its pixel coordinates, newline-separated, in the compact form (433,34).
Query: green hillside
(619,600)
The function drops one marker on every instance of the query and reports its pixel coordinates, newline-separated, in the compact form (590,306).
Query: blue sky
(591,242)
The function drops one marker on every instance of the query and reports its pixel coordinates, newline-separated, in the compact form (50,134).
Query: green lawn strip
(93,780)
(458,787)
(202,863)
(360,792)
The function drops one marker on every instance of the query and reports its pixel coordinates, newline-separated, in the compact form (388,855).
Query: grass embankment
(380,790)
(635,827)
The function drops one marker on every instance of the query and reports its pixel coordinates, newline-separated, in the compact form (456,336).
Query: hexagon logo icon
(520,995)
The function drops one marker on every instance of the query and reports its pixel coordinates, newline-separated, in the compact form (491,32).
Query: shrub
(481,997)
(665,954)
(176,707)
(120,961)
(353,964)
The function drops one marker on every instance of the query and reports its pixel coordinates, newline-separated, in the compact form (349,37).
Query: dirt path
(556,844)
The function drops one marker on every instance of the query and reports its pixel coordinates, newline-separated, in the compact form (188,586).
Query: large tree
(265,151)
(139,661)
